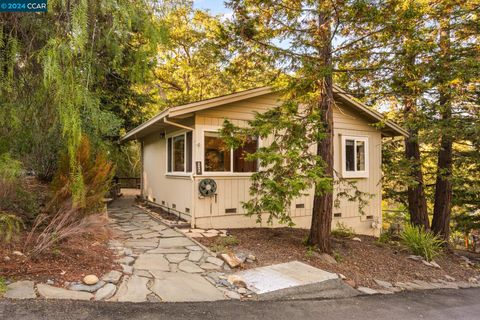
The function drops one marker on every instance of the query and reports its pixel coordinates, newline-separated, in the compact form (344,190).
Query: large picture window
(219,158)
(179,153)
(354,157)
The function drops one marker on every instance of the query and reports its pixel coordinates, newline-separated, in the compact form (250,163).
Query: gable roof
(390,128)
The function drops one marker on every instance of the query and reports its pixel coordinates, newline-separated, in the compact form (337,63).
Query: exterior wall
(157,186)
(181,190)
(233,188)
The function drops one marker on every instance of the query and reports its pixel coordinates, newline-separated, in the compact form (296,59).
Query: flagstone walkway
(159,263)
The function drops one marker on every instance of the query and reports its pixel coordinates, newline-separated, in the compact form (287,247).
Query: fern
(10,225)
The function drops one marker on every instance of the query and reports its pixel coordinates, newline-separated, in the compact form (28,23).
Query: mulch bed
(358,261)
(70,261)
(164,213)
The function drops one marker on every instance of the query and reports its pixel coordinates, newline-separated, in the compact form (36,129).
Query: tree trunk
(323,200)
(443,185)
(417,202)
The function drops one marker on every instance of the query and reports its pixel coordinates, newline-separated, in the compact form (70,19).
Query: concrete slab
(282,276)
(179,287)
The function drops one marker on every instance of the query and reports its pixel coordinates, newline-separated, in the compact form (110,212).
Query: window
(354,157)
(219,158)
(179,153)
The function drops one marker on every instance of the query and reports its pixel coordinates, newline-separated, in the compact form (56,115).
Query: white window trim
(222,173)
(184,172)
(355,174)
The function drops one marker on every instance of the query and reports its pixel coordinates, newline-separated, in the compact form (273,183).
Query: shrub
(3,286)
(10,225)
(222,243)
(385,237)
(86,184)
(421,242)
(342,231)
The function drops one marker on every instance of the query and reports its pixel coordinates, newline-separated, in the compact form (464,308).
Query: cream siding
(233,189)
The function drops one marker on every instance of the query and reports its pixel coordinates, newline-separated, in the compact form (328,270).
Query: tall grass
(421,242)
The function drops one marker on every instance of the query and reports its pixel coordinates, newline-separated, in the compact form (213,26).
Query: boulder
(106,292)
(237,281)
(231,259)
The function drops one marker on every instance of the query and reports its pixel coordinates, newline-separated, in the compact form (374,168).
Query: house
(186,170)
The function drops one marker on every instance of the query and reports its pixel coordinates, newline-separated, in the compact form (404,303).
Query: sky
(215,6)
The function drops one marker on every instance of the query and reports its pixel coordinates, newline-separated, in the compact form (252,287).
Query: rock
(142,273)
(148,261)
(50,292)
(472,280)
(127,269)
(209,235)
(236,280)
(242,290)
(127,251)
(232,295)
(87,288)
(350,282)
(6,258)
(175,242)
(132,289)
(20,290)
(367,290)
(18,253)
(194,248)
(209,266)
(414,257)
(106,292)
(449,278)
(324,257)
(90,279)
(126,260)
(195,256)
(383,284)
(357,239)
(189,267)
(341,276)
(425,262)
(215,261)
(435,265)
(175,257)
(251,257)
(112,277)
(231,259)
(50,282)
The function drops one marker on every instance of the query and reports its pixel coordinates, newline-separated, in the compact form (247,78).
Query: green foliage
(338,256)
(385,237)
(342,231)
(222,244)
(3,286)
(10,226)
(421,242)
(310,252)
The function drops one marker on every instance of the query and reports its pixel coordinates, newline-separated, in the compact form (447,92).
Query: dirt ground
(70,261)
(358,261)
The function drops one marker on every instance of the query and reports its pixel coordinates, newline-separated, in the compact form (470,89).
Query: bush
(420,242)
(3,287)
(10,226)
(342,231)
(222,243)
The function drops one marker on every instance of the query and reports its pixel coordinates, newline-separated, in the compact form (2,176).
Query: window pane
(169,157)
(360,155)
(217,155)
(239,162)
(179,153)
(350,155)
(189,151)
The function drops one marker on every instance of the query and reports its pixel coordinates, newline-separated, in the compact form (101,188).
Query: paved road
(437,304)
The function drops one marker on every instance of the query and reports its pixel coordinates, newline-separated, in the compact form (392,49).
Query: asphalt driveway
(434,304)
